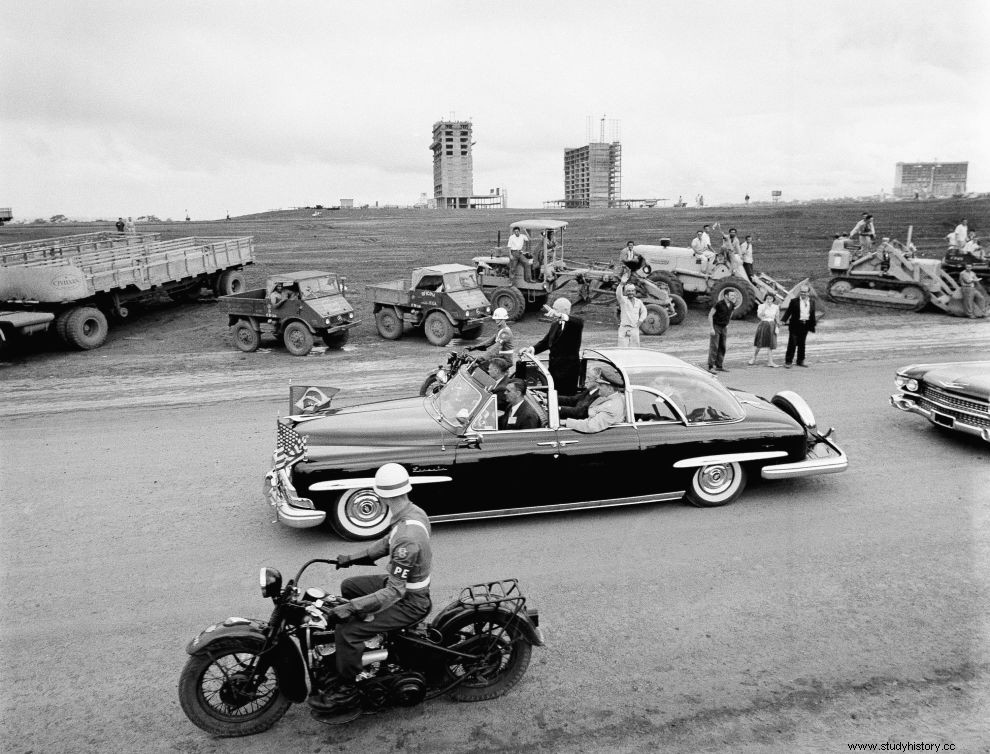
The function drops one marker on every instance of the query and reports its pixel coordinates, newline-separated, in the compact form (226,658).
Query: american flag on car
(290,446)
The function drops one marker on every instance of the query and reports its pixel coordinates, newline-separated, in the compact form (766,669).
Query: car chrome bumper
(904,403)
(824,458)
(290,509)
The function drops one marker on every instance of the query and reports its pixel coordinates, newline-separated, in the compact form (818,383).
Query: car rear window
(702,398)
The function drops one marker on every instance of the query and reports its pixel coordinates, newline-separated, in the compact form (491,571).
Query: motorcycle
(439,377)
(243,674)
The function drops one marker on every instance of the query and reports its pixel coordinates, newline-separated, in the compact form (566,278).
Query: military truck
(313,306)
(443,299)
(84,279)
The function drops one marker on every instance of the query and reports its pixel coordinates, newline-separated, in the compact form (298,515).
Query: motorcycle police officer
(378,605)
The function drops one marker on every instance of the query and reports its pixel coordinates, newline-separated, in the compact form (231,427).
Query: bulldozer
(891,276)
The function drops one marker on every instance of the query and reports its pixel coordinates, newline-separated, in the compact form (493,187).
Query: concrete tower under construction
(453,167)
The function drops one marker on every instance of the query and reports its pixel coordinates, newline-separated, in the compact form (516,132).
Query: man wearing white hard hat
(500,342)
(381,603)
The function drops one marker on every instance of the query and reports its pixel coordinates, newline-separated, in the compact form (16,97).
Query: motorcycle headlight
(271,582)
(326,320)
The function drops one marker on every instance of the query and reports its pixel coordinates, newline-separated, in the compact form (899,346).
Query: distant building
(6,215)
(930,179)
(453,169)
(347,204)
(593,176)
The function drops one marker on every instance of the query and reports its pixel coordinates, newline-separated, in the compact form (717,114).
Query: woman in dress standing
(766,331)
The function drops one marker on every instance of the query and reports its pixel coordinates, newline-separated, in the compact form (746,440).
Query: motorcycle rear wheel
(214,696)
(505,653)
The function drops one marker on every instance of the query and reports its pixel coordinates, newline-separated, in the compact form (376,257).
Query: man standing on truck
(278,296)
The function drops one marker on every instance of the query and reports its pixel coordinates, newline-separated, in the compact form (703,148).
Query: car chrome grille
(961,409)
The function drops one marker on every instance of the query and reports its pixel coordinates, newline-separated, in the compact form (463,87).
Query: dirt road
(811,614)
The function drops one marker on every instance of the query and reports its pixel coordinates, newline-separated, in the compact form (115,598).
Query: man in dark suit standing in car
(800,318)
(564,341)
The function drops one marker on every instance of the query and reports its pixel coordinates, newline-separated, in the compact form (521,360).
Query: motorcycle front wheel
(219,693)
(502,649)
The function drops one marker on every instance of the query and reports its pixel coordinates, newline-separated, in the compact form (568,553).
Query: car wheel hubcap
(715,480)
(365,509)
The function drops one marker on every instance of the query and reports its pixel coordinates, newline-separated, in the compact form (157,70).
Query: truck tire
(230,282)
(437,329)
(62,324)
(336,339)
(680,309)
(676,286)
(510,299)
(246,338)
(297,338)
(743,288)
(389,324)
(85,328)
(657,320)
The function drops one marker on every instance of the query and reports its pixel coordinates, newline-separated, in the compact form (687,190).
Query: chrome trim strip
(690,463)
(833,463)
(899,401)
(353,484)
(560,507)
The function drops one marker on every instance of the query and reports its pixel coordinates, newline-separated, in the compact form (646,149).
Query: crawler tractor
(891,276)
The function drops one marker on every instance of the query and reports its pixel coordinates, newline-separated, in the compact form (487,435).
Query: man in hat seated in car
(608,409)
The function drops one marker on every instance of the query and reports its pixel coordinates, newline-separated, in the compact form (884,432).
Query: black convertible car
(686,435)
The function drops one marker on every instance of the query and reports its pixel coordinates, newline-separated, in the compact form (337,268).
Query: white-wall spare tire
(359,515)
(716,484)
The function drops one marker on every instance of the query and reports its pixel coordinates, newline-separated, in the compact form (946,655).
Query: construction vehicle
(955,261)
(444,299)
(83,279)
(688,276)
(314,305)
(891,276)
(537,275)
(543,271)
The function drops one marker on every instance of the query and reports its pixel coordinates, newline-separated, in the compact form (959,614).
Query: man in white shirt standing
(517,243)
(632,312)
(746,252)
(960,235)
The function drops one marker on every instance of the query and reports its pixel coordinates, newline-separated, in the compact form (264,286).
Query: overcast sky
(131,108)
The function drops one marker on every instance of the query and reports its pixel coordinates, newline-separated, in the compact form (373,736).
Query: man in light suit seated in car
(608,409)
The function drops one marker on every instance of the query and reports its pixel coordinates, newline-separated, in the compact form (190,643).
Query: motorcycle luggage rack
(504,593)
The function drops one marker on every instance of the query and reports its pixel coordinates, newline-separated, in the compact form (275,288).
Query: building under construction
(593,176)
(930,179)
(453,169)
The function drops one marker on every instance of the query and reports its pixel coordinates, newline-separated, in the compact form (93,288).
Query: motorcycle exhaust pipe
(377,655)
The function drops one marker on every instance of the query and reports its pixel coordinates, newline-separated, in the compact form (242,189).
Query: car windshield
(460,281)
(319,287)
(456,402)
(701,398)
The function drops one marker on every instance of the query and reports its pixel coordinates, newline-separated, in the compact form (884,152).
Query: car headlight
(907,383)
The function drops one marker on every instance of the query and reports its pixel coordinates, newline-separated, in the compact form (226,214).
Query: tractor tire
(85,328)
(229,282)
(297,338)
(680,309)
(389,324)
(437,329)
(510,299)
(676,286)
(744,290)
(657,320)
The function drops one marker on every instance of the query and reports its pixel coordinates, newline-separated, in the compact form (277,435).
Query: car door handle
(551,444)
(568,442)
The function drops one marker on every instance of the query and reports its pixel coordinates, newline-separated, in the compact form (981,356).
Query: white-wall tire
(716,484)
(359,515)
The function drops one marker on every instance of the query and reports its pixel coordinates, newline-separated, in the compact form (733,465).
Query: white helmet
(392,480)
(500,313)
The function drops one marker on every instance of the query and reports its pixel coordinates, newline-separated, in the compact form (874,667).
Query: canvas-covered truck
(84,280)
(443,299)
(311,304)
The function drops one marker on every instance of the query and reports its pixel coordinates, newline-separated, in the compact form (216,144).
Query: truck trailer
(84,280)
